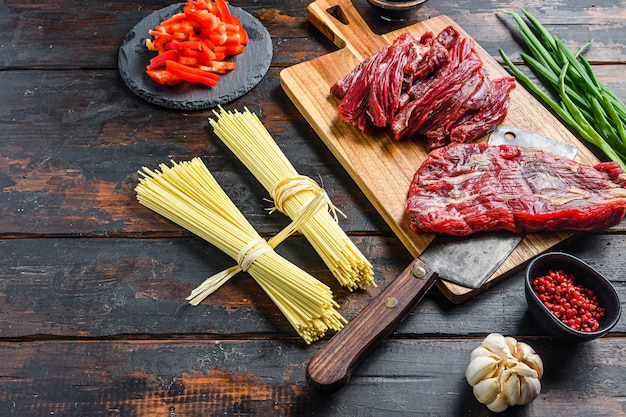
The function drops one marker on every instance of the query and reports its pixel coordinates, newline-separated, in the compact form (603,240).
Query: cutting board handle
(332,366)
(340,22)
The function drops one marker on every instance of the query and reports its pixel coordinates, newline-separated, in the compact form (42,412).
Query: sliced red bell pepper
(159,60)
(163,77)
(220,67)
(220,55)
(193,44)
(175,18)
(194,75)
(233,49)
(243,35)
(207,5)
(208,49)
(222,10)
(188,60)
(218,38)
(184,45)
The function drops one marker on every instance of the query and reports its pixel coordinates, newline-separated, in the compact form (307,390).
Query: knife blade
(478,256)
(332,366)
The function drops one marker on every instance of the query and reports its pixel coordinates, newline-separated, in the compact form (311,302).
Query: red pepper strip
(184,45)
(243,35)
(201,58)
(194,75)
(218,38)
(233,39)
(187,60)
(180,36)
(229,49)
(221,67)
(222,11)
(209,23)
(159,31)
(160,39)
(234,49)
(163,77)
(175,18)
(192,53)
(219,56)
(207,49)
(205,5)
(159,60)
(159,35)
(184,26)
(231,27)
(205,20)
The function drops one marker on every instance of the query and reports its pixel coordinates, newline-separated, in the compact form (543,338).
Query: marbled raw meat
(462,189)
(435,86)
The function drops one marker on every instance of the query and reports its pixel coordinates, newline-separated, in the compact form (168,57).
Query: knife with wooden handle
(471,260)
(332,366)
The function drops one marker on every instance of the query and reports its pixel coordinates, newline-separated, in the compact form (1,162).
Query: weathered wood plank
(92,313)
(72,142)
(73,34)
(190,378)
(110,287)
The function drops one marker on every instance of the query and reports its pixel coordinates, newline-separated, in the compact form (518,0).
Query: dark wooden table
(93,318)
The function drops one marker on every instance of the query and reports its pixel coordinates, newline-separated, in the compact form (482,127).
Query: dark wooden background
(93,318)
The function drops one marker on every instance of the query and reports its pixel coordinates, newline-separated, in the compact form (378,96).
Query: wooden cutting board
(382,167)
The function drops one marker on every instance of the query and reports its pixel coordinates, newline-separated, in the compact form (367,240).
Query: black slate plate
(252,64)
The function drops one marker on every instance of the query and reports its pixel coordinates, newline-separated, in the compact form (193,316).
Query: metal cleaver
(469,261)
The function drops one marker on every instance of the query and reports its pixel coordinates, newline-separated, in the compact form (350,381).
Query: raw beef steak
(434,86)
(466,188)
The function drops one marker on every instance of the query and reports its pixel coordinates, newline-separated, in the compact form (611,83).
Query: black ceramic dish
(396,9)
(585,275)
(252,64)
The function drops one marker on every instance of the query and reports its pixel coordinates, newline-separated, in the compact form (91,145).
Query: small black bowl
(584,275)
(396,9)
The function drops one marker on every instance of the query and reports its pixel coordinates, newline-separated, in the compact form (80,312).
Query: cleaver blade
(473,259)
(470,261)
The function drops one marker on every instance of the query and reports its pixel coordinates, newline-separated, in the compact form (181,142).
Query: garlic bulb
(504,372)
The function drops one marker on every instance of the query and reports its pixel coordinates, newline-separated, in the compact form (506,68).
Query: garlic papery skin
(504,372)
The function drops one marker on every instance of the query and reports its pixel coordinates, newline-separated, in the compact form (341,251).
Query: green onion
(587,105)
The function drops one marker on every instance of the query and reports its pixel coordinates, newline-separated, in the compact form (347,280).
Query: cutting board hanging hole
(340,22)
(337,13)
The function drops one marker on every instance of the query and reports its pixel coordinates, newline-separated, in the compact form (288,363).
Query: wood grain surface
(93,320)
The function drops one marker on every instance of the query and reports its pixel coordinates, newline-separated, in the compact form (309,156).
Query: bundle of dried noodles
(188,194)
(246,136)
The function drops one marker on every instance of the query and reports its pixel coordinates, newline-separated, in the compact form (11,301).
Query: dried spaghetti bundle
(188,194)
(246,136)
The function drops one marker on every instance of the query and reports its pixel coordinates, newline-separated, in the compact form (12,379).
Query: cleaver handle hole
(510,136)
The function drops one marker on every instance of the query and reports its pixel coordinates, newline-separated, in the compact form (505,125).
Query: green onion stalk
(586,104)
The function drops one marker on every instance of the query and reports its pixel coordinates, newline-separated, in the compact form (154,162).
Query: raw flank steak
(434,86)
(463,189)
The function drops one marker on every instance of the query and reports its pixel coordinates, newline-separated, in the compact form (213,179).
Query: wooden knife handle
(333,364)
(340,22)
